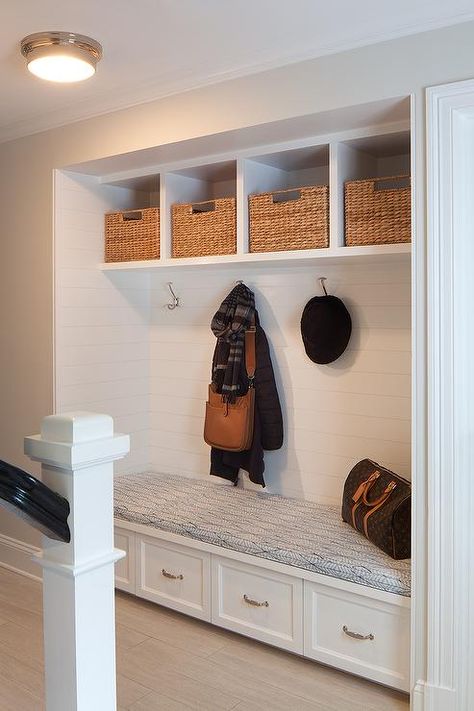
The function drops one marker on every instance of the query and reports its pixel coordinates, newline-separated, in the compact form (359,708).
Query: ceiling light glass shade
(61,56)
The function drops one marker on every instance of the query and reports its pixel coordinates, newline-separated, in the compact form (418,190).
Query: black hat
(325,328)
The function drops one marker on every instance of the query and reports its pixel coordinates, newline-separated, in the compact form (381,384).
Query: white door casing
(448,544)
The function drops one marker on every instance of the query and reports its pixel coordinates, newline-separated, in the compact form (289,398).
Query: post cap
(75,427)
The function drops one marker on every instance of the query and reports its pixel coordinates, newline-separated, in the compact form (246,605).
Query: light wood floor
(169,662)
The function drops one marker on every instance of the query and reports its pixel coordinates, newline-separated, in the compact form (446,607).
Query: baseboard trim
(440,698)
(418,697)
(428,697)
(17,556)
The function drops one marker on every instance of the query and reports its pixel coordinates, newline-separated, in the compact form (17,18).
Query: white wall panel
(101,335)
(121,351)
(334,415)
(102,323)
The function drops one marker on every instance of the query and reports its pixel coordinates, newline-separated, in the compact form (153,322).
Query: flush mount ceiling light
(61,56)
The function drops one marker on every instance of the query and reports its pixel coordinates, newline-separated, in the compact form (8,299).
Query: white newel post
(77,451)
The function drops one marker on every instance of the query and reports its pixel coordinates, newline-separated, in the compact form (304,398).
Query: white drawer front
(334,619)
(125,567)
(174,576)
(258,602)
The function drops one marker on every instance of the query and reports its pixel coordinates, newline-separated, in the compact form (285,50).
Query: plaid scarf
(229,324)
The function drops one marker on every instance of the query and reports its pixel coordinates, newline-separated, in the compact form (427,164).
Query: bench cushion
(298,533)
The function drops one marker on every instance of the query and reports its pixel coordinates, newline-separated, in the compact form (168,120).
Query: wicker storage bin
(377,211)
(289,219)
(132,235)
(204,228)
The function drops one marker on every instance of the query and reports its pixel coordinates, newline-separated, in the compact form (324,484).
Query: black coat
(268,421)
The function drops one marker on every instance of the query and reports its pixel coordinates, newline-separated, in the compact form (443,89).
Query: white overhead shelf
(322,162)
(371,253)
(367,141)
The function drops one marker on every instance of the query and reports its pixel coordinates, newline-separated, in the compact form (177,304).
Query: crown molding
(148,92)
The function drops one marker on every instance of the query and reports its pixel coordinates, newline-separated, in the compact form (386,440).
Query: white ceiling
(157,47)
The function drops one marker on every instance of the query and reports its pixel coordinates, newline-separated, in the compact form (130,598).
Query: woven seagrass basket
(289,219)
(204,228)
(132,235)
(377,211)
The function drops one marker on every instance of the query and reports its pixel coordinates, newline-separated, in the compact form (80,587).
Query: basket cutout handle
(396,183)
(286,196)
(131,215)
(201,207)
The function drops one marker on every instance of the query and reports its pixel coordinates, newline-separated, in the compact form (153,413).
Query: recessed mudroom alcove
(120,350)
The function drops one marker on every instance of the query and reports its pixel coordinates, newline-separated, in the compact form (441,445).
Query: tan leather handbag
(229,426)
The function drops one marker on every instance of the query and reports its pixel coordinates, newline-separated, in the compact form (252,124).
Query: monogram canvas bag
(377,503)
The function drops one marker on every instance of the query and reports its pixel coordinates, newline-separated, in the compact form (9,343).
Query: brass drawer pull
(356,635)
(255,603)
(171,576)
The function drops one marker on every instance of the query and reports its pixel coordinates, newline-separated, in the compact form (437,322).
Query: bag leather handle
(360,497)
(376,505)
(364,487)
(381,498)
(361,494)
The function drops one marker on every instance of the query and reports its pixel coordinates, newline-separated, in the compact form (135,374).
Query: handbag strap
(364,487)
(250,354)
(377,505)
(382,498)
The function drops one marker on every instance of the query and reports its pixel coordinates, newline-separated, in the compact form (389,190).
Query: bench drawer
(363,635)
(125,567)
(257,602)
(175,576)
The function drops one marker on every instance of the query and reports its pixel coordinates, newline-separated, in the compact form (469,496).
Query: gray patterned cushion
(299,533)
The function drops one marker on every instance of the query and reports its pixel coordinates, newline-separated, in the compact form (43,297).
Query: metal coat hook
(323,285)
(175,301)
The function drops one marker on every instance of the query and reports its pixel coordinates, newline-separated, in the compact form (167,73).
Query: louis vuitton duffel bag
(377,503)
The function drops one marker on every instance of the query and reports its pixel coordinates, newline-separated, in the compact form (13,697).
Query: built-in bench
(284,571)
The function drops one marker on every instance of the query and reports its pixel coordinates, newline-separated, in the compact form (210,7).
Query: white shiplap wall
(102,320)
(334,415)
(119,350)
